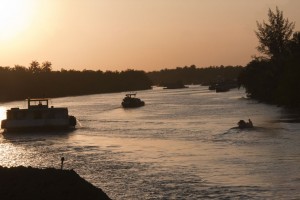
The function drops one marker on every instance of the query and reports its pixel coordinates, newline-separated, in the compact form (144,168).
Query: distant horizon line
(135,69)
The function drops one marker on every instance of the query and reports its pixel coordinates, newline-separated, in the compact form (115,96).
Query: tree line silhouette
(194,75)
(19,82)
(275,76)
(38,80)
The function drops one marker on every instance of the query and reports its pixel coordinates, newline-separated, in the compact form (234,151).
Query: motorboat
(131,101)
(38,116)
(242,124)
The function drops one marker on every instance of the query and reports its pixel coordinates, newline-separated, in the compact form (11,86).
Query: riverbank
(43,184)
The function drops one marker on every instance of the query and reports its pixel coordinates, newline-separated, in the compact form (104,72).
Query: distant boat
(175,85)
(38,116)
(223,86)
(212,87)
(131,101)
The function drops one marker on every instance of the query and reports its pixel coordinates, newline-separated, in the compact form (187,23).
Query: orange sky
(137,34)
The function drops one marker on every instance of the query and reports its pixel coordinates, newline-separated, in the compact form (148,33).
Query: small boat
(131,101)
(37,117)
(222,88)
(212,87)
(174,85)
(242,124)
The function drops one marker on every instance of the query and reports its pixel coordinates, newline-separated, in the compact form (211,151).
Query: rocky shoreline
(43,184)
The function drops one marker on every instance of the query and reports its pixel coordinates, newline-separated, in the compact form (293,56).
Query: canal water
(183,144)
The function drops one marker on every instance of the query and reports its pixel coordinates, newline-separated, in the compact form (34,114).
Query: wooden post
(62,163)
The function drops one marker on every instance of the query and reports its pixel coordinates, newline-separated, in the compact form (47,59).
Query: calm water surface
(182,144)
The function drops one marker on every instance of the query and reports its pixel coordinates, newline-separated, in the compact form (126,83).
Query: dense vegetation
(19,82)
(274,78)
(194,75)
(38,80)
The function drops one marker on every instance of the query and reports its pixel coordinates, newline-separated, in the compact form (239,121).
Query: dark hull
(132,105)
(39,125)
(39,129)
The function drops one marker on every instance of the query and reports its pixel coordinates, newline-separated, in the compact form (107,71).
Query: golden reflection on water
(211,161)
(12,155)
(168,153)
(2,112)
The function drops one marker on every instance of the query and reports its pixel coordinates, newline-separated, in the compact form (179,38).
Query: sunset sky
(133,34)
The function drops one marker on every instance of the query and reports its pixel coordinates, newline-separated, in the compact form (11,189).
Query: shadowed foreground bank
(44,184)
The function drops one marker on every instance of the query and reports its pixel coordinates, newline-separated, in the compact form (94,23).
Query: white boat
(38,116)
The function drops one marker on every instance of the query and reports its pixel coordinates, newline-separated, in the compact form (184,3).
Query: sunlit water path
(182,144)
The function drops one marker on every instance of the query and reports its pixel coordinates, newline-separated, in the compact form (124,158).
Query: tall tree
(295,44)
(46,66)
(274,36)
(34,67)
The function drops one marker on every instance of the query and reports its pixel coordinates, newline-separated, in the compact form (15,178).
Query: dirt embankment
(22,183)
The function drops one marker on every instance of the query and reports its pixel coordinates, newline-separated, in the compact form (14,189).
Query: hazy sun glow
(133,34)
(14,17)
